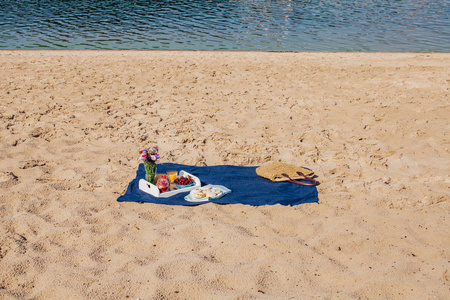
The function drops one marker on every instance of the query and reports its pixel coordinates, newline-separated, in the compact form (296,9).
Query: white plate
(224,190)
(189,198)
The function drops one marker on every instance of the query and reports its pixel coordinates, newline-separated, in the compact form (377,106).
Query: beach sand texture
(373,126)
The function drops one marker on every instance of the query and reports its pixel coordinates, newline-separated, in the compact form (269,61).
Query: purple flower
(151,155)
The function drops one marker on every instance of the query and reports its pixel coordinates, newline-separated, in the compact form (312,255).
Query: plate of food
(206,193)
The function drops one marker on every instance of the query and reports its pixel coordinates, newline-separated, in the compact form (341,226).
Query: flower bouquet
(150,158)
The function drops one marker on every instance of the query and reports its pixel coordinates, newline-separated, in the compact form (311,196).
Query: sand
(373,126)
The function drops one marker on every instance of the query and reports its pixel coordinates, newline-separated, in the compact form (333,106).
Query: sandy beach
(374,127)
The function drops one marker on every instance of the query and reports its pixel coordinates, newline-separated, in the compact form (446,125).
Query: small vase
(150,170)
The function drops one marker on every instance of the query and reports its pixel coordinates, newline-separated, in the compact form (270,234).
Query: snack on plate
(198,193)
(206,192)
(218,192)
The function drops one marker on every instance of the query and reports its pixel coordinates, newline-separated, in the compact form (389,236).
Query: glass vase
(150,171)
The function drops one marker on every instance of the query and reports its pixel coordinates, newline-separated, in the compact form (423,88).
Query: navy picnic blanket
(246,186)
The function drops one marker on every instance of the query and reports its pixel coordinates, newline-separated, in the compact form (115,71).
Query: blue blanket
(246,186)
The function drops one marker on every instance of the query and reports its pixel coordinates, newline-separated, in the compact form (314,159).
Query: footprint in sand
(8,179)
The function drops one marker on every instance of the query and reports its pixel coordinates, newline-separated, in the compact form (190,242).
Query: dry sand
(374,127)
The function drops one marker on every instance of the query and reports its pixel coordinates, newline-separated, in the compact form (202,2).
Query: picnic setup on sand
(178,184)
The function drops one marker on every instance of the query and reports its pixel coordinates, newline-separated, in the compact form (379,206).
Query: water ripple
(287,25)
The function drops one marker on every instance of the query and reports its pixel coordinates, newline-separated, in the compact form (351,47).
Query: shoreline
(373,127)
(224,51)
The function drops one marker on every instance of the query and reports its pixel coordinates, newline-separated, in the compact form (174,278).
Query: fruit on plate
(184,180)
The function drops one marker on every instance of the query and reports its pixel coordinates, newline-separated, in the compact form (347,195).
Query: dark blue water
(296,25)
